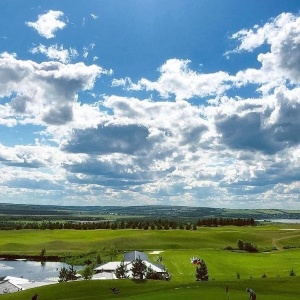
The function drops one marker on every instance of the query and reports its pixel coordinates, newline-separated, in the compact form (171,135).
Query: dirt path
(276,240)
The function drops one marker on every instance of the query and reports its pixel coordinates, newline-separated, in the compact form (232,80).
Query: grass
(267,289)
(75,241)
(178,246)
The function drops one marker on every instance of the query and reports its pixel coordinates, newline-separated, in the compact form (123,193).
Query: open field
(57,242)
(178,247)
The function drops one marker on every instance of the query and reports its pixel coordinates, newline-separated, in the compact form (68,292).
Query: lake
(33,270)
(288,221)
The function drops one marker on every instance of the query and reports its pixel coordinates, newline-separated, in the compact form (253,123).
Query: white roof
(113,265)
(154,267)
(110,266)
(104,275)
(16,280)
(8,287)
(148,264)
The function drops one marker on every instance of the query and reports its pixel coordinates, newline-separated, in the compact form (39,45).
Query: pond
(33,270)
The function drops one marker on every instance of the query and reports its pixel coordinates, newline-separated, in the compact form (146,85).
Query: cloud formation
(176,78)
(193,138)
(44,92)
(47,24)
(54,52)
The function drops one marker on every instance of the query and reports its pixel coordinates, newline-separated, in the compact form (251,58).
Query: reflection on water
(32,270)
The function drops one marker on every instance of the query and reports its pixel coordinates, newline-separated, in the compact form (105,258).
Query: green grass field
(178,247)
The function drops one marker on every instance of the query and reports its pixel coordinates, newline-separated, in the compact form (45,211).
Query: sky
(150,102)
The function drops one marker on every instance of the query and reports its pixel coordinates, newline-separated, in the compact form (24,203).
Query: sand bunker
(289,229)
(155,252)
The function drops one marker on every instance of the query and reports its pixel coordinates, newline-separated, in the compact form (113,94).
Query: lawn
(267,289)
(58,242)
(178,247)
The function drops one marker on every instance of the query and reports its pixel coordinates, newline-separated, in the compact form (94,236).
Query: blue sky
(150,102)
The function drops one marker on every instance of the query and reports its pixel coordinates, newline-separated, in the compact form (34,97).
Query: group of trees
(213,222)
(139,271)
(247,246)
(160,224)
(67,274)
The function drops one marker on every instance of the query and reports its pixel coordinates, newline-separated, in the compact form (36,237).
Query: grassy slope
(75,241)
(267,289)
(178,247)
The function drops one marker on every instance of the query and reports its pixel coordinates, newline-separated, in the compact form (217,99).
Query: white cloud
(47,24)
(226,151)
(56,53)
(45,92)
(177,79)
(94,16)
(282,63)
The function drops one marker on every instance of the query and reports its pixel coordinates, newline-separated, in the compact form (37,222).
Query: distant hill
(52,212)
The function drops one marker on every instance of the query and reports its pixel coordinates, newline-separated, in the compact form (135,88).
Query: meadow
(177,247)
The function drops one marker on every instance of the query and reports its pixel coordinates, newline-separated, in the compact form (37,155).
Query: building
(107,270)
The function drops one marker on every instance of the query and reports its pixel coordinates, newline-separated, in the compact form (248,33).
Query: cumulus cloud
(127,139)
(176,78)
(56,53)
(47,24)
(46,91)
(225,150)
(273,122)
(282,35)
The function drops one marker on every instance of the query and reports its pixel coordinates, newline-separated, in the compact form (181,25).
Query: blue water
(32,270)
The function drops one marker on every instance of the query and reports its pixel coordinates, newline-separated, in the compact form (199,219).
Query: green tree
(201,271)
(88,272)
(43,252)
(67,274)
(112,252)
(151,274)
(62,277)
(99,259)
(121,271)
(240,244)
(139,269)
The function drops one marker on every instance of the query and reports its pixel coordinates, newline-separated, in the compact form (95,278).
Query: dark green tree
(67,274)
(240,244)
(139,269)
(121,271)
(43,253)
(201,271)
(88,272)
(98,259)
(112,252)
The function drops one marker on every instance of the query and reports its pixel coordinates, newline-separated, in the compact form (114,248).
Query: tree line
(157,224)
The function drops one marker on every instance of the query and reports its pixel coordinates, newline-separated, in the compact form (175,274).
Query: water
(288,221)
(32,270)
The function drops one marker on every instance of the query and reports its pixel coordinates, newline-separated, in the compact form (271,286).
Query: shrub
(292,273)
